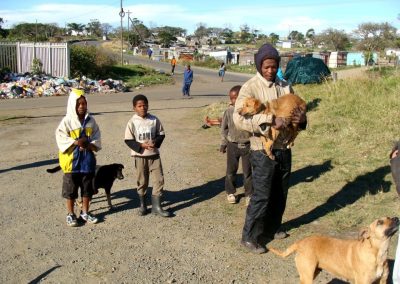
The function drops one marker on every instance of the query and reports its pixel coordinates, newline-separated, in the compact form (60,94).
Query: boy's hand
(222,149)
(148,145)
(83,143)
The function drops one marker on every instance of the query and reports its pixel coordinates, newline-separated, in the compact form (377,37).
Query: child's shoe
(71,220)
(89,218)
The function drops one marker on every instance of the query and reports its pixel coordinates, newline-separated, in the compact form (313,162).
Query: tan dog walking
(361,261)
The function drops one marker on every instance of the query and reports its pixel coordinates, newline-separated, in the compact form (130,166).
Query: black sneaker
(71,220)
(280,235)
(253,247)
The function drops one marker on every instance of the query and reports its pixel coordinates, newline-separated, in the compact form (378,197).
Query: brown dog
(359,261)
(280,107)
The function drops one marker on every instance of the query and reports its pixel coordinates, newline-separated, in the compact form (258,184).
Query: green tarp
(306,70)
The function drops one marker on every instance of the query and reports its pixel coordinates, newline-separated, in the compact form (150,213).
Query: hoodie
(71,159)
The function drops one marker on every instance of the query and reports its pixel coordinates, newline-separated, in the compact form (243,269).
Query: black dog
(104,178)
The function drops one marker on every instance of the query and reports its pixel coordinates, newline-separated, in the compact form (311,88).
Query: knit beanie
(266,51)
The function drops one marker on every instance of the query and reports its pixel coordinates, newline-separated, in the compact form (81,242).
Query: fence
(18,56)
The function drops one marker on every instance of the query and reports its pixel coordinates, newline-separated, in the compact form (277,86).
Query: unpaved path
(199,245)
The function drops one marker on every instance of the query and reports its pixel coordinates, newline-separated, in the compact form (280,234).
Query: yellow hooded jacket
(71,159)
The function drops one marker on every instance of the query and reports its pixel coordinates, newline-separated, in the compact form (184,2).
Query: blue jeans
(186,89)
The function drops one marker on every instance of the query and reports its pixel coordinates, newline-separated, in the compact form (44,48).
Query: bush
(90,61)
(36,67)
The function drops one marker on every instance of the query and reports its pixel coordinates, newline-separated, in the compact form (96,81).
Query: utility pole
(129,12)
(36,32)
(122,15)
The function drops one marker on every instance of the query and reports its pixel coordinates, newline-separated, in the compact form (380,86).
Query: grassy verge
(136,75)
(341,177)
(352,126)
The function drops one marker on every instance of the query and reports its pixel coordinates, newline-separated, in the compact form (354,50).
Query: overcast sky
(267,16)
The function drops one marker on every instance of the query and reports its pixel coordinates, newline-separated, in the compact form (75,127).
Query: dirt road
(199,245)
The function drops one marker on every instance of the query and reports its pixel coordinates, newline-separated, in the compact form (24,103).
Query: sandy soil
(200,244)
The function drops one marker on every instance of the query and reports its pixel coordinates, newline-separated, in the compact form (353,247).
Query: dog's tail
(285,253)
(53,170)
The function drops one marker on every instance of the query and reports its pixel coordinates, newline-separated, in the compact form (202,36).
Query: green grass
(341,177)
(352,127)
(136,75)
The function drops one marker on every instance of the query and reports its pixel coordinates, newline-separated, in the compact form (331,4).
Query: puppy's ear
(364,234)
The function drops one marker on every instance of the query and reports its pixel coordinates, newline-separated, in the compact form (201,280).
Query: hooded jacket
(71,159)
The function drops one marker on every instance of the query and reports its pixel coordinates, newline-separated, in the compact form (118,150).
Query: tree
(166,38)
(3,33)
(139,29)
(245,35)
(201,31)
(310,36)
(175,31)
(75,27)
(375,36)
(333,39)
(106,28)
(273,38)
(94,28)
(296,35)
(34,31)
(227,35)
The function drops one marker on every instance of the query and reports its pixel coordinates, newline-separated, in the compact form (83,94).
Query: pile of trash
(13,85)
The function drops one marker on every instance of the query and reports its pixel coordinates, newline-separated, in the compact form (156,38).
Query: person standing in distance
(187,81)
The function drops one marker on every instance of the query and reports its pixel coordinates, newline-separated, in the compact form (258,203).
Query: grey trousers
(146,167)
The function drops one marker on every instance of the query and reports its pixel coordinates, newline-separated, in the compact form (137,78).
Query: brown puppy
(362,261)
(280,107)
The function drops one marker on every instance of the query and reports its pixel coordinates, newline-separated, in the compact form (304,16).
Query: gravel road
(200,244)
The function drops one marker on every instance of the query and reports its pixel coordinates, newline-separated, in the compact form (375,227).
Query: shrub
(36,67)
(90,61)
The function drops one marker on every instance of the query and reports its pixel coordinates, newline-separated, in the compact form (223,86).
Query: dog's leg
(108,195)
(306,269)
(267,143)
(385,273)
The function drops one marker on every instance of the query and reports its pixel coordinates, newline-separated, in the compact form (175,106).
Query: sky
(267,16)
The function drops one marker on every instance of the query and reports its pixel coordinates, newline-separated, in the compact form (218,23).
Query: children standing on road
(78,136)
(236,144)
(144,135)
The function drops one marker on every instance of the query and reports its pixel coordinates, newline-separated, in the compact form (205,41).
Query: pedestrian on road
(270,177)
(149,52)
(221,71)
(144,135)
(173,64)
(187,81)
(236,144)
(78,137)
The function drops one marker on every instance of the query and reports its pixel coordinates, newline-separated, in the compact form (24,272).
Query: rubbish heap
(13,85)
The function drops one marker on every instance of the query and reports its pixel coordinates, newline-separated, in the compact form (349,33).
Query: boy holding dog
(144,135)
(270,176)
(235,143)
(78,137)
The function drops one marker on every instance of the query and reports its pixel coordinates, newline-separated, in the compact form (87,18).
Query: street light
(122,15)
